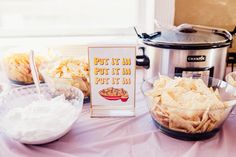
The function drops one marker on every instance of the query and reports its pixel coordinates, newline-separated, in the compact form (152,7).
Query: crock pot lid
(190,36)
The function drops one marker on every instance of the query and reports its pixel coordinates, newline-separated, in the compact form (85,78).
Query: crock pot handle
(147,36)
(145,63)
(228,34)
(234,31)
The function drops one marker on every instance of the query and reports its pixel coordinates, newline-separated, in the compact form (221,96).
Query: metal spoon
(35,73)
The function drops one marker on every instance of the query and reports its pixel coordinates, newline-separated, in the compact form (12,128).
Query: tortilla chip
(205,126)
(179,123)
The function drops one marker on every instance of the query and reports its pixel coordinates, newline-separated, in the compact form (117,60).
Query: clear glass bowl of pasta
(15,63)
(66,72)
(189,108)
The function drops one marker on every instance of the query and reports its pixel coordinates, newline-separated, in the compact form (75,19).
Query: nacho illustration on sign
(112,79)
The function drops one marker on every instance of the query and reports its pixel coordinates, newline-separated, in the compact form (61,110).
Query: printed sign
(112,79)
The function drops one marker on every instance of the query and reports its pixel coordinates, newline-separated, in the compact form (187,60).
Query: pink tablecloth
(128,137)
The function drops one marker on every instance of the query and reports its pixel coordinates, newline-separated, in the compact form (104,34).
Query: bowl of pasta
(15,63)
(189,108)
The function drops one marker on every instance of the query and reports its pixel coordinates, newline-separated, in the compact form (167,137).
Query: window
(71,17)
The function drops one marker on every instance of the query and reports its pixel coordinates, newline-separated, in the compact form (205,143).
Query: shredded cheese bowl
(66,72)
(189,108)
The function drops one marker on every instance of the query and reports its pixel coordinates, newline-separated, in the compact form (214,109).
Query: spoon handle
(34,72)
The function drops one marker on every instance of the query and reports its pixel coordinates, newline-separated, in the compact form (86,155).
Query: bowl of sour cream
(32,120)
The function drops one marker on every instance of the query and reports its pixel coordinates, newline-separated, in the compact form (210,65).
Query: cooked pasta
(17,67)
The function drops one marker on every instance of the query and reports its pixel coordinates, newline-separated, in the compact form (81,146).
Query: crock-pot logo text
(200,58)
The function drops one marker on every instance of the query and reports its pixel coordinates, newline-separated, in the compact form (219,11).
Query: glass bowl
(231,78)
(15,63)
(22,96)
(176,122)
(63,84)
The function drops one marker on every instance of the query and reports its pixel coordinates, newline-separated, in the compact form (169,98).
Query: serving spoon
(35,74)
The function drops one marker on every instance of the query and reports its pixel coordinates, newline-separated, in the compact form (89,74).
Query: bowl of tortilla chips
(189,108)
